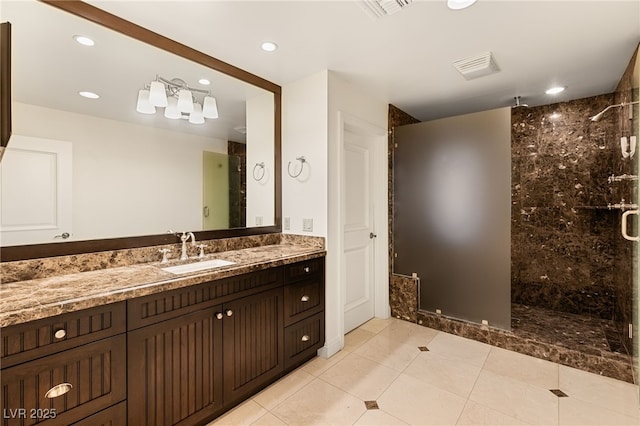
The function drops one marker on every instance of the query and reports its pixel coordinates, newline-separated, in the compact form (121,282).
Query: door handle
(205,211)
(372,235)
(64,235)
(623,225)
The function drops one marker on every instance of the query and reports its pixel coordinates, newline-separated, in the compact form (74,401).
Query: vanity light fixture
(555,90)
(178,100)
(84,40)
(89,95)
(269,46)
(459,4)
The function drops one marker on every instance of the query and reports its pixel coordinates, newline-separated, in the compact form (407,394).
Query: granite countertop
(30,300)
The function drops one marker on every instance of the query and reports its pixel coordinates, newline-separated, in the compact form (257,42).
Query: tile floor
(456,381)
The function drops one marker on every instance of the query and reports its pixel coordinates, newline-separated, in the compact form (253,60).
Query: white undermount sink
(197,266)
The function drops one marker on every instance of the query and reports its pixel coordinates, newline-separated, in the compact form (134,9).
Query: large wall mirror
(82,174)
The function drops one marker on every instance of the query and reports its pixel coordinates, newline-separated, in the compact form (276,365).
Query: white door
(36,200)
(359,233)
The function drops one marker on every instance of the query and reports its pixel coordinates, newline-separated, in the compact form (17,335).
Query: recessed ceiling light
(459,4)
(89,95)
(204,82)
(85,41)
(268,46)
(555,90)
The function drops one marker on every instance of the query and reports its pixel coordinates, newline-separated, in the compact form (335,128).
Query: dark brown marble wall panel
(566,244)
(402,291)
(237,184)
(23,270)
(403,297)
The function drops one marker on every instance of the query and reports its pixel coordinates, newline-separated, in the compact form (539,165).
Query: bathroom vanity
(157,348)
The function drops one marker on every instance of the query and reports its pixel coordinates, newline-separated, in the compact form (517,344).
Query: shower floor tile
(588,335)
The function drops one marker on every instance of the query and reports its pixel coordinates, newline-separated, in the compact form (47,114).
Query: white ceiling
(406,59)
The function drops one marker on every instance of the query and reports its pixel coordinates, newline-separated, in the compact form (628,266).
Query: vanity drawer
(303,298)
(35,339)
(302,270)
(63,388)
(303,339)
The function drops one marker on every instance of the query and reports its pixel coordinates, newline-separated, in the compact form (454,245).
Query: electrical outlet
(258,220)
(485,322)
(438,311)
(287,223)
(307,225)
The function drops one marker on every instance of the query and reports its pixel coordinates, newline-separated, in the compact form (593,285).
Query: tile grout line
(475,382)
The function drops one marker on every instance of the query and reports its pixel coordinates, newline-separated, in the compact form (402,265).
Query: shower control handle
(623,225)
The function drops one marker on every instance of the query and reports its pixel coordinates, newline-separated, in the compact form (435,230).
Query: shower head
(518,104)
(599,115)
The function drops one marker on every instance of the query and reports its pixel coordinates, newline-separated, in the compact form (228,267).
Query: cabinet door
(253,343)
(175,369)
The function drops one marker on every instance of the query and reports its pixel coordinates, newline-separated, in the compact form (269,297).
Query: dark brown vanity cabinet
(64,369)
(179,357)
(304,310)
(211,346)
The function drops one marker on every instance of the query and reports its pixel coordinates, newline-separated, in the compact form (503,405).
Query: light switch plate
(307,225)
(287,223)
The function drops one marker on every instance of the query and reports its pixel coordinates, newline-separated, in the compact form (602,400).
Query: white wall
(127,179)
(260,149)
(304,133)
(313,111)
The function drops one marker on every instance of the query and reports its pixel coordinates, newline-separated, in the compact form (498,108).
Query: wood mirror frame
(122,26)
(5,83)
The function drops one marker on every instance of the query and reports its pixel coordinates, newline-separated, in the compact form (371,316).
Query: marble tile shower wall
(565,241)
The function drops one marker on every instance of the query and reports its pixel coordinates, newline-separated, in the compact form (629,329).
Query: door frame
(335,265)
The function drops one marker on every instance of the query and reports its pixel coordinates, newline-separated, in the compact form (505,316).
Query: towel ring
(261,165)
(302,161)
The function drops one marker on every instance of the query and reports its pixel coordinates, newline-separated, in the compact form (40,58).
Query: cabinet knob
(305,338)
(304,298)
(58,390)
(306,269)
(229,312)
(59,334)
(219,315)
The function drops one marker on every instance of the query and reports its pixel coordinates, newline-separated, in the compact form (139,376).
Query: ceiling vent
(477,66)
(381,8)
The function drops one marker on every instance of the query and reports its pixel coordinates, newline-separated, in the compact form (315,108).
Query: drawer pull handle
(304,298)
(219,315)
(59,334)
(305,338)
(229,312)
(58,390)
(306,269)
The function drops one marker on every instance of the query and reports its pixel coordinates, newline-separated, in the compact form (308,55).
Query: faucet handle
(201,247)
(164,252)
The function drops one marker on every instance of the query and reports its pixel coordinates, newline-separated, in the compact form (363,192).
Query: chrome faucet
(184,238)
